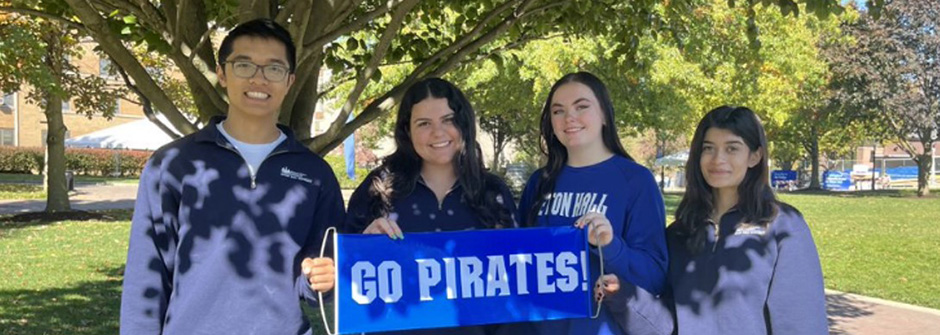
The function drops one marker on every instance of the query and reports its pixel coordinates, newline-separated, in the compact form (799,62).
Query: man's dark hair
(263,28)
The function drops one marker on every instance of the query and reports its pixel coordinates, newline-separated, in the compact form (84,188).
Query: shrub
(87,162)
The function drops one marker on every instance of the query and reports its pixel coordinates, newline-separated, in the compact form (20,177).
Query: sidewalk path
(849,314)
(91,197)
(85,197)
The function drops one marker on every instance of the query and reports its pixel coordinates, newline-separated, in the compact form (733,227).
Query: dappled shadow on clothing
(85,308)
(840,309)
(203,220)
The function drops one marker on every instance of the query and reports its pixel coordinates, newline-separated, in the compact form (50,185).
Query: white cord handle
(600,253)
(330,232)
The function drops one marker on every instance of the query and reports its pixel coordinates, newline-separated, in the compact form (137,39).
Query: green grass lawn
(21,192)
(65,277)
(881,246)
(62,278)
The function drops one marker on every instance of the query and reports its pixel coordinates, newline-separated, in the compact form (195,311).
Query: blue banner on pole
(349,153)
(446,279)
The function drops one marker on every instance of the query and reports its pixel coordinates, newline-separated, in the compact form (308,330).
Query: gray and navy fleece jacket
(214,250)
(749,279)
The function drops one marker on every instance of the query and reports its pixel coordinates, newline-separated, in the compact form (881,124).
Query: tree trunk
(57,193)
(814,158)
(923,174)
(499,143)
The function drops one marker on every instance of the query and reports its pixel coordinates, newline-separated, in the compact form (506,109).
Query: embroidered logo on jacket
(750,229)
(285,172)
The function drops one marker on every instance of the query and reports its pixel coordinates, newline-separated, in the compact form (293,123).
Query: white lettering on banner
(390,291)
(362,270)
(365,283)
(429,274)
(543,271)
(471,285)
(497,277)
(563,266)
(520,261)
(574,205)
(451,278)
(554,273)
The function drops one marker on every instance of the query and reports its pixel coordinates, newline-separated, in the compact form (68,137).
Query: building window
(117,106)
(6,136)
(66,107)
(7,103)
(104,68)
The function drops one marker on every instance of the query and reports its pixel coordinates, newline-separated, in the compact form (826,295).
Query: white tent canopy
(676,159)
(137,135)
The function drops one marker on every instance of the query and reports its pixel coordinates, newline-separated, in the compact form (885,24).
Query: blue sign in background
(408,311)
(837,180)
(781,177)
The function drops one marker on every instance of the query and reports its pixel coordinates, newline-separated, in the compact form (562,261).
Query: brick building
(23,124)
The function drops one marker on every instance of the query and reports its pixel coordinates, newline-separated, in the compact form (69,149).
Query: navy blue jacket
(215,251)
(749,279)
(421,212)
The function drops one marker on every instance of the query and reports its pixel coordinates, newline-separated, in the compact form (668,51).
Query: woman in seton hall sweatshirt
(742,262)
(590,181)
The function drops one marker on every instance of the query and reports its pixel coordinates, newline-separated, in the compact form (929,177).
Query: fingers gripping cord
(600,253)
(330,232)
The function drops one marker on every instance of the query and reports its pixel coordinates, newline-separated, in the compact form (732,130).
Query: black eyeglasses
(272,72)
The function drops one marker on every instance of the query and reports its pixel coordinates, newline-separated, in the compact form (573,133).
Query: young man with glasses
(225,216)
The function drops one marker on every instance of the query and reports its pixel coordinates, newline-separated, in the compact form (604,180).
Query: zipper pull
(717,237)
(253,184)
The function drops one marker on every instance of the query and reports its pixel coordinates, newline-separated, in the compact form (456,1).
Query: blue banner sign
(837,180)
(446,279)
(782,178)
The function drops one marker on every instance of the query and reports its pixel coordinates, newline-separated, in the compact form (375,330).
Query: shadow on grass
(80,309)
(32,219)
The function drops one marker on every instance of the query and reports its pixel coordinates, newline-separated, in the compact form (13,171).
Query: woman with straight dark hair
(434,181)
(742,262)
(590,181)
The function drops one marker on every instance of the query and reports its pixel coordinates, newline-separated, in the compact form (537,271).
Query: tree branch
(113,46)
(463,40)
(344,14)
(145,103)
(482,40)
(353,26)
(36,13)
(363,78)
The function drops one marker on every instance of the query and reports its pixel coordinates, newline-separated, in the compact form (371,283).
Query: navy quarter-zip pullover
(748,279)
(215,250)
(421,212)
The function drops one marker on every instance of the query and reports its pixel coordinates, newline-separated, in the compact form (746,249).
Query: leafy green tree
(34,54)
(353,38)
(891,76)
